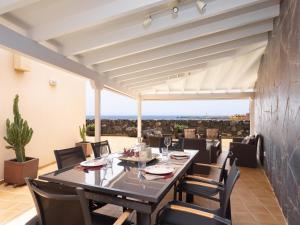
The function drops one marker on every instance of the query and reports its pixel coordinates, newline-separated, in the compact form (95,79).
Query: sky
(113,104)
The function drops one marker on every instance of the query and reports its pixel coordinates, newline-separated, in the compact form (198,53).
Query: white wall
(54,113)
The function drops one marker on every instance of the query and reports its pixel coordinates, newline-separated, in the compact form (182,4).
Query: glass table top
(123,178)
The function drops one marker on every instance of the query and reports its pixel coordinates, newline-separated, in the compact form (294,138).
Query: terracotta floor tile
(264,218)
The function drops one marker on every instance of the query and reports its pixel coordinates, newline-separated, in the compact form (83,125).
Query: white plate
(179,154)
(94,162)
(159,169)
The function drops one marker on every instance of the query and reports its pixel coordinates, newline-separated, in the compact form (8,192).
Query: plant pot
(15,172)
(86,146)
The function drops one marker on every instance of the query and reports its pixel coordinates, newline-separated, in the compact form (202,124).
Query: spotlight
(201,5)
(175,10)
(147,21)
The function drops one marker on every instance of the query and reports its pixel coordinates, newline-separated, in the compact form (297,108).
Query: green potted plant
(90,129)
(86,146)
(18,135)
(178,128)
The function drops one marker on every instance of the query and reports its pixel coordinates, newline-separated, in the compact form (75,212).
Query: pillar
(98,86)
(252,115)
(139,117)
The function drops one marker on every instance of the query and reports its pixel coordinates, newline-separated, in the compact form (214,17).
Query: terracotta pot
(15,172)
(86,146)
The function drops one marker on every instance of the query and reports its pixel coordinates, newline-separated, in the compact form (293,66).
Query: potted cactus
(18,135)
(86,146)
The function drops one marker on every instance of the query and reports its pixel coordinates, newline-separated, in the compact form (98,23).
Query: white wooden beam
(139,76)
(147,80)
(100,37)
(10,5)
(103,13)
(15,41)
(142,87)
(169,73)
(200,43)
(123,66)
(179,35)
(199,96)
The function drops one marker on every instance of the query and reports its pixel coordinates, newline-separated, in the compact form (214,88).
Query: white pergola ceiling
(195,54)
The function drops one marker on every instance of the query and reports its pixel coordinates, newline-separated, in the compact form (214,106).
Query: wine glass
(167,142)
(104,152)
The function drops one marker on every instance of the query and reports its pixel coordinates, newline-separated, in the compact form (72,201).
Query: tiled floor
(253,202)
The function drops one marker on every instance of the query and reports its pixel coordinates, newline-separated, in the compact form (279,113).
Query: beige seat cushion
(190,133)
(212,133)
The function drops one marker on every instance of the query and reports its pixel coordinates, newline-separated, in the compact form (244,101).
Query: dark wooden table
(123,184)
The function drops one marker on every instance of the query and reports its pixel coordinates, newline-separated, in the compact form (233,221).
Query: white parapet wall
(51,100)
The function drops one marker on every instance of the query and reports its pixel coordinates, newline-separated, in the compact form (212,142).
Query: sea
(156,117)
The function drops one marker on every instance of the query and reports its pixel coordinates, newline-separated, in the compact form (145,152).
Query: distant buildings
(240,117)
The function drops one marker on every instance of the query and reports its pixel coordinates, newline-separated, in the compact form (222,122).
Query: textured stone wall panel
(277,106)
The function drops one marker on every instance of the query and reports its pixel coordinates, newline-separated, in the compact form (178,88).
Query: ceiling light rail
(200,4)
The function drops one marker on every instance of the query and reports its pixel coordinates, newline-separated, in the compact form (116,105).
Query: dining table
(124,184)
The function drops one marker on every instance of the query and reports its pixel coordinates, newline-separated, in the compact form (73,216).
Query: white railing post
(252,115)
(139,117)
(98,86)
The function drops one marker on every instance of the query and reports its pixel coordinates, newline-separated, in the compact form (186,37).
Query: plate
(179,154)
(94,163)
(159,169)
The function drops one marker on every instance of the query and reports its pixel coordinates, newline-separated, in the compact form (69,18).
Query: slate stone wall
(277,114)
(128,127)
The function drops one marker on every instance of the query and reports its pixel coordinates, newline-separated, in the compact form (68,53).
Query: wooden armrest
(204,179)
(200,213)
(199,178)
(201,184)
(124,216)
(209,165)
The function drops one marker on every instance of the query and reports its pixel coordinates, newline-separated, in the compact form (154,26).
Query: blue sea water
(155,117)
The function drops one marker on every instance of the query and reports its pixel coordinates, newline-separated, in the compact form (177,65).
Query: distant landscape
(156,117)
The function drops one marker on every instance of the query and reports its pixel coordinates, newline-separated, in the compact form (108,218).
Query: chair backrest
(194,143)
(189,133)
(58,204)
(101,147)
(156,142)
(233,176)
(69,157)
(212,133)
(177,145)
(223,172)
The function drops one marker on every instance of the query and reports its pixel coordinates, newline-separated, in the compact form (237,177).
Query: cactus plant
(18,133)
(82,132)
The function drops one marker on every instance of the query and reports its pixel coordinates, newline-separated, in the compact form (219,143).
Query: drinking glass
(142,159)
(167,141)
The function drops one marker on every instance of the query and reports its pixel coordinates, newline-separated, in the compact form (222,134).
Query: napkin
(179,157)
(84,168)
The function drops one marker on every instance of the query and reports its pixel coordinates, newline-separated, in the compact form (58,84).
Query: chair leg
(228,211)
(180,194)
(189,198)
(175,192)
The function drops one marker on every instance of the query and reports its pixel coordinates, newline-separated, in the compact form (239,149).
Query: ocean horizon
(162,117)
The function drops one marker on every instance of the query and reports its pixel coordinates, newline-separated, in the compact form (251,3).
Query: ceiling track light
(201,5)
(147,21)
(175,11)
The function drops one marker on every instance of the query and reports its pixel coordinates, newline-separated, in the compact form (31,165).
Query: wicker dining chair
(182,213)
(204,190)
(101,147)
(57,204)
(69,157)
